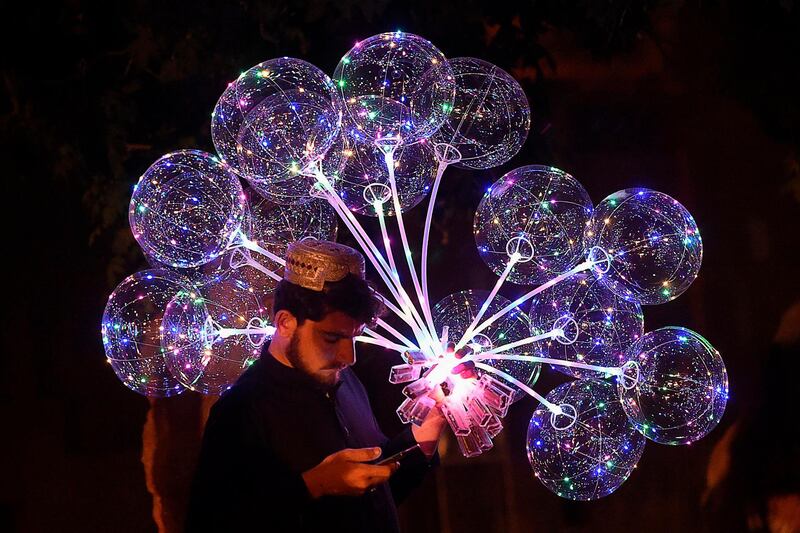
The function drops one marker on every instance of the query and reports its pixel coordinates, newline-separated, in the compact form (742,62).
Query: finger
(359,455)
(376,473)
(461,367)
(392,468)
(436,394)
(463,352)
(451,347)
(469,374)
(373,482)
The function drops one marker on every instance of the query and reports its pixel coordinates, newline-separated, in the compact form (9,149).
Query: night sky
(695,99)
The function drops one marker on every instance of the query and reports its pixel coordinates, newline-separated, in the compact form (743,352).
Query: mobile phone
(398,456)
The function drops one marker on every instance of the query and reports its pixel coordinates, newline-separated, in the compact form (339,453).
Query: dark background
(696,99)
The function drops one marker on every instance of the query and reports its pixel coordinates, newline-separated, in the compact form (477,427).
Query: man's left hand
(428,433)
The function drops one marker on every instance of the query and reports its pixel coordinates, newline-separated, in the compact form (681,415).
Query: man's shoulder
(240,397)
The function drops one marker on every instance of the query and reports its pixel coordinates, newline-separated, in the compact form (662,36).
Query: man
(292,446)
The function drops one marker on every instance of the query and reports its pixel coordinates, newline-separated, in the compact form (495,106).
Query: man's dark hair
(351,295)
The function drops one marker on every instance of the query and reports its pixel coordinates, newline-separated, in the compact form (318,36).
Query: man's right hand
(347,473)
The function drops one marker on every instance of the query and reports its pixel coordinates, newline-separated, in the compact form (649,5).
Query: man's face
(323,349)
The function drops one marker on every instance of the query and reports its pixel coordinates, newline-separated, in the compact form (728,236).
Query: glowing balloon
(198,351)
(365,179)
(394,86)
(538,212)
(271,226)
(236,260)
(274,227)
(607,325)
(490,118)
(131,331)
(675,387)
(337,156)
(207,273)
(653,242)
(185,208)
(457,311)
(273,121)
(304,188)
(590,450)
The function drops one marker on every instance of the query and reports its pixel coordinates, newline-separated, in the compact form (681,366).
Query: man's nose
(347,353)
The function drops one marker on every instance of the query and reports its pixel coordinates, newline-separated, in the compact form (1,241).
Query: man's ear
(285,323)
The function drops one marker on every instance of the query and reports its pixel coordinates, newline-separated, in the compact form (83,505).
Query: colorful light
(395,84)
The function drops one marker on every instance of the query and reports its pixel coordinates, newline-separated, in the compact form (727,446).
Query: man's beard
(299,363)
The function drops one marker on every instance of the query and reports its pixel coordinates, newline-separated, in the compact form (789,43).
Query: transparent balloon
(590,450)
(131,331)
(490,118)
(273,121)
(304,188)
(273,159)
(186,208)
(211,334)
(537,212)
(207,273)
(330,166)
(394,86)
(607,325)
(457,312)
(653,242)
(675,387)
(365,178)
(336,158)
(236,260)
(274,227)
(271,227)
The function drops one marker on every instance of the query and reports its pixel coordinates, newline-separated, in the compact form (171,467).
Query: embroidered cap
(310,263)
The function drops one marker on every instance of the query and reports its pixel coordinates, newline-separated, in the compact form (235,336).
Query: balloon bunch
(198,318)
(375,140)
